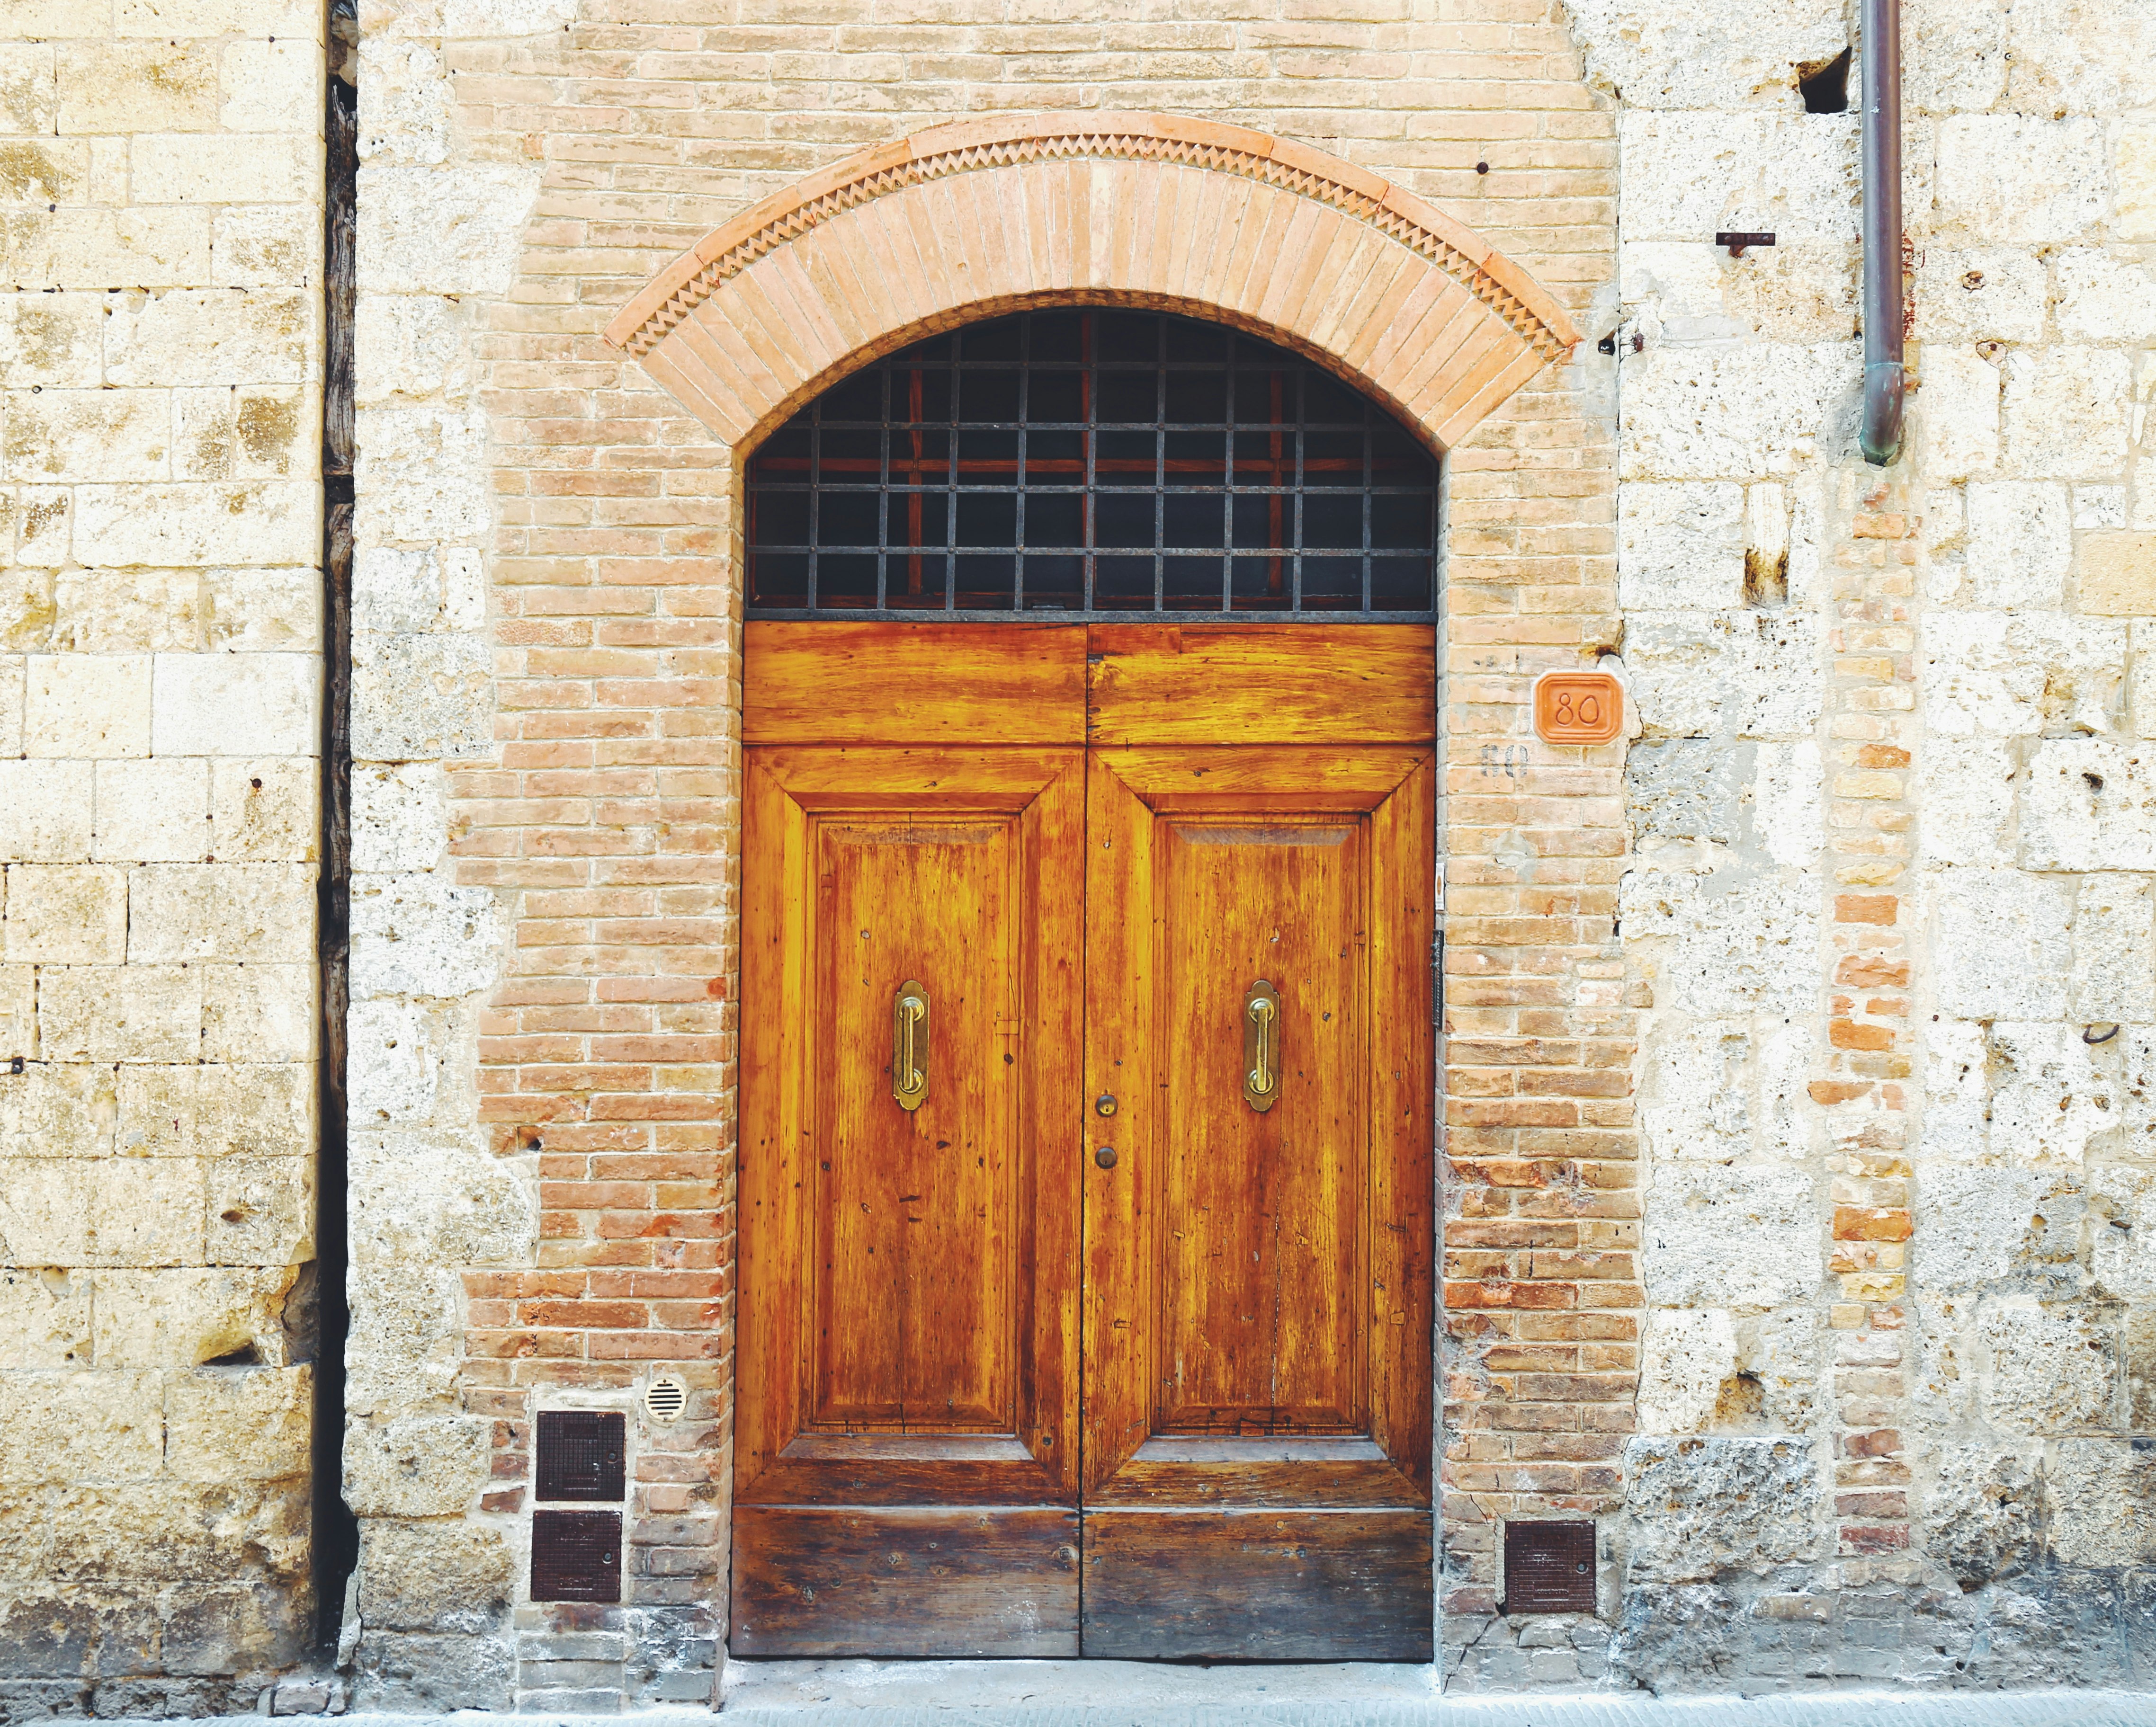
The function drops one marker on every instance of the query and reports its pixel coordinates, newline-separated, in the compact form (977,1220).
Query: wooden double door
(1086,1143)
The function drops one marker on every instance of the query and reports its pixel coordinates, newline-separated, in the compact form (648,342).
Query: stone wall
(160,623)
(1892,889)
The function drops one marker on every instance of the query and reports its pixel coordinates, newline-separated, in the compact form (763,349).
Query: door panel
(1260,1210)
(1256,1300)
(1258,1585)
(907,1343)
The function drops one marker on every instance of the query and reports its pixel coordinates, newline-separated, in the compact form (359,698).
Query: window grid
(1011,466)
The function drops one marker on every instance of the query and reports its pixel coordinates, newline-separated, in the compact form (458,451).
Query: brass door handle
(1262,1045)
(909,1046)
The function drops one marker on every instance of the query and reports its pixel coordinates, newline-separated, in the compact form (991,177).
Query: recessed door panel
(1263,1206)
(916,1272)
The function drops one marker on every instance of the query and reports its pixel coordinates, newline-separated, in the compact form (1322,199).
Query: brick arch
(985,216)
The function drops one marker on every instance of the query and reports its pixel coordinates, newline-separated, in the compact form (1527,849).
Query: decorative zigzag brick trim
(790,216)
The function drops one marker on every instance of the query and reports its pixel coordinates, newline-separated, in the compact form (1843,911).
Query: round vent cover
(665,1397)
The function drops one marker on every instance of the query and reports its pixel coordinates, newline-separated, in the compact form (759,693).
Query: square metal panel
(575,1556)
(1549,1568)
(580,1454)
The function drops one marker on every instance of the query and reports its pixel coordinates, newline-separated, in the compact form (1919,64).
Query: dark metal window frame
(892,452)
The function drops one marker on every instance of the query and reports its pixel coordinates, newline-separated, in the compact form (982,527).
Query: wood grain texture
(909,1275)
(913,684)
(910,1581)
(1256,1274)
(1258,1585)
(1261,683)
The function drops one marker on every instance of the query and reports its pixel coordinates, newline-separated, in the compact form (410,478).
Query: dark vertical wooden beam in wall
(335,1531)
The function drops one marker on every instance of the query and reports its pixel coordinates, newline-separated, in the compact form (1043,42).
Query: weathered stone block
(1979,1225)
(1731,1236)
(2091,804)
(45,1318)
(258,1013)
(132,611)
(2010,178)
(61,1427)
(133,1013)
(1966,789)
(153,810)
(418,935)
(237,1424)
(51,340)
(87,705)
(406,1346)
(401,1054)
(76,1631)
(269,86)
(136,86)
(1984,1511)
(1978,293)
(261,1210)
(65,914)
(237,703)
(186,1317)
(2074,57)
(2054,1369)
(408,119)
(2122,1240)
(444,1577)
(2133,159)
(401,592)
(1999,943)
(1680,546)
(399,822)
(265,246)
(266,809)
(1751,675)
(1681,789)
(177,1532)
(2020,543)
(1696,1099)
(1700,1508)
(436,1199)
(442,230)
(420,1466)
(55,1110)
(2101,1494)
(412,344)
(2011,674)
(1957,421)
(1741,947)
(408,1672)
(2068,412)
(60,436)
(1734,412)
(1688,55)
(421,696)
(237,1629)
(222,911)
(2115,948)
(2048,1097)
(262,612)
(2115,575)
(1690,1352)
(159,246)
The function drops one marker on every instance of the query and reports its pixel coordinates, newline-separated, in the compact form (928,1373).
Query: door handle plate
(909,1046)
(1262,1045)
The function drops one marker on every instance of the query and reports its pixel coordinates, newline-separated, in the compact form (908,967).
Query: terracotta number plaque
(1579,707)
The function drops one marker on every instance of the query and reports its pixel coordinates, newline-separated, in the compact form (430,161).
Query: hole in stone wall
(1825,88)
(246,1356)
(1766,577)
(1741,1404)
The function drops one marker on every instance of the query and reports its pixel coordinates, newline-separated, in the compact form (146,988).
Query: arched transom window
(1092,463)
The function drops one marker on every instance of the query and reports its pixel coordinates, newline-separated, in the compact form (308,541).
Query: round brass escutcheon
(1105,1156)
(1105,1105)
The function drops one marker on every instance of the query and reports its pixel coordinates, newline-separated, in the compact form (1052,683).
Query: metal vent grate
(575,1556)
(1110,464)
(665,1397)
(580,1454)
(1549,1568)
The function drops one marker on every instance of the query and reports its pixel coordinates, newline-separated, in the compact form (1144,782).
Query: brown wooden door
(906,1472)
(1258,1275)
(1042,831)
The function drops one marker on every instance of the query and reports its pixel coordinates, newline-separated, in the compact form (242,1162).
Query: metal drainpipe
(1884,378)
